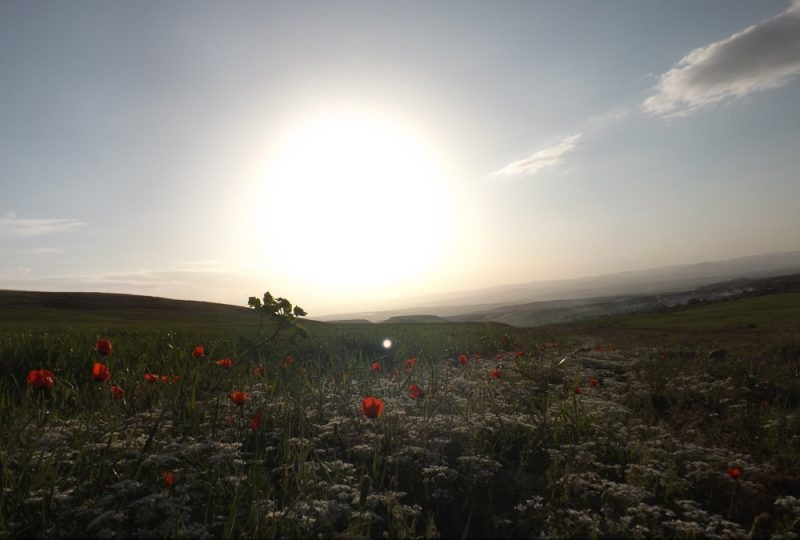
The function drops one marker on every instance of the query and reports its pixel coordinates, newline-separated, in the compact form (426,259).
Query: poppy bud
(41,378)
(372,407)
(239,397)
(103,347)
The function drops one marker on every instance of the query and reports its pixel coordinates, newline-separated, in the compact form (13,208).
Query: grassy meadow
(682,424)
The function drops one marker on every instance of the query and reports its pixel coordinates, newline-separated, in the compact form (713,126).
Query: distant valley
(547,302)
(532,304)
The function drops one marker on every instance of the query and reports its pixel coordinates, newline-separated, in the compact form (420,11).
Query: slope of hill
(22,308)
(774,311)
(559,311)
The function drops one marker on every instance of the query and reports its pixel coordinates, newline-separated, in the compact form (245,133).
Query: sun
(357,199)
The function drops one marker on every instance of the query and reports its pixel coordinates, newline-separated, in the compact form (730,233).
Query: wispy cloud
(542,159)
(763,56)
(11,225)
(14,273)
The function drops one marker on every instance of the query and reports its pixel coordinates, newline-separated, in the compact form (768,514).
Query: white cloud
(11,225)
(763,56)
(542,159)
(16,272)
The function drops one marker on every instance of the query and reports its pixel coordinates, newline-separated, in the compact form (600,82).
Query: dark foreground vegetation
(683,425)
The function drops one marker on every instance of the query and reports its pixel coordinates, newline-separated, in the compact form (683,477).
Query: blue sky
(344,154)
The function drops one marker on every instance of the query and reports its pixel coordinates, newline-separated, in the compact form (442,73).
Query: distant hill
(406,319)
(637,292)
(560,311)
(652,282)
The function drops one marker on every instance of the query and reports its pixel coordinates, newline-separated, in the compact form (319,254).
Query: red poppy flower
(41,378)
(169,479)
(376,366)
(495,373)
(594,382)
(225,362)
(239,397)
(415,391)
(288,361)
(198,352)
(462,359)
(519,354)
(735,472)
(117,392)
(165,379)
(260,371)
(151,377)
(100,372)
(372,407)
(410,363)
(255,423)
(578,389)
(176,378)
(103,347)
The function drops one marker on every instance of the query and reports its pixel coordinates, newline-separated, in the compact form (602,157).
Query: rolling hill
(495,301)
(22,308)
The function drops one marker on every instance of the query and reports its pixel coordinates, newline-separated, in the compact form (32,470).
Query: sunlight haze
(352,154)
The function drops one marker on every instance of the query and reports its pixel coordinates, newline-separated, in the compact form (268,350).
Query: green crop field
(664,425)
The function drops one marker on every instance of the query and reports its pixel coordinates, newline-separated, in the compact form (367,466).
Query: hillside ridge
(96,301)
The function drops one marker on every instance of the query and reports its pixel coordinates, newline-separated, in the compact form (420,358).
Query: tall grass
(538,451)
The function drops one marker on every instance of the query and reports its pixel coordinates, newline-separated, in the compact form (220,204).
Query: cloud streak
(760,57)
(14,226)
(542,159)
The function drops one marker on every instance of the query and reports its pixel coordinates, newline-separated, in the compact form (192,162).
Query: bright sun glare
(359,200)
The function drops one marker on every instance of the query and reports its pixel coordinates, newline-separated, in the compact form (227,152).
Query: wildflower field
(399,431)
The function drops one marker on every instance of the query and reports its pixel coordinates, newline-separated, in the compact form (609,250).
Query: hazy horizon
(348,154)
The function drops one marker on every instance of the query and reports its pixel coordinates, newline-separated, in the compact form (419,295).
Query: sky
(346,155)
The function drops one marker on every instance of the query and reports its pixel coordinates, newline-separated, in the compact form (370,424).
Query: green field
(776,311)
(620,427)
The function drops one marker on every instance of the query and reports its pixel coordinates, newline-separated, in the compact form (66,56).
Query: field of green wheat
(397,431)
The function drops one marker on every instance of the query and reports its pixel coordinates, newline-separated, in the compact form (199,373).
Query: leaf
(285,305)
